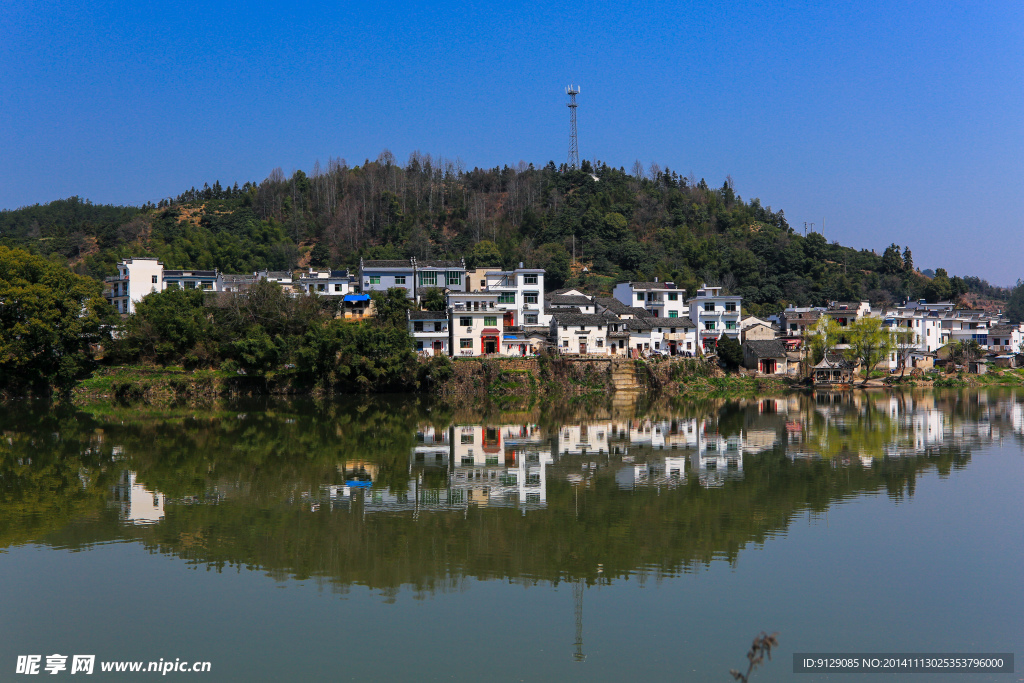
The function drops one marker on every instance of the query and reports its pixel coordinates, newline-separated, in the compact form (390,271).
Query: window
(190,285)
(671,330)
(428,278)
(419,346)
(600,343)
(673,314)
(639,296)
(730,325)
(417,326)
(709,306)
(490,320)
(154,279)
(709,325)
(507,298)
(466,438)
(337,288)
(465,343)
(321,288)
(375,279)
(530,279)
(465,321)
(453,277)
(399,279)
(673,297)
(730,307)
(531,318)
(530,297)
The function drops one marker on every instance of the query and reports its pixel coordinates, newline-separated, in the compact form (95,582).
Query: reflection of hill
(385,494)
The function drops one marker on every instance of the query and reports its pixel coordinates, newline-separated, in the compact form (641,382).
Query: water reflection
(389,493)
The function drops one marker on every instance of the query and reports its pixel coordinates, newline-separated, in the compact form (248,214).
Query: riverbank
(500,379)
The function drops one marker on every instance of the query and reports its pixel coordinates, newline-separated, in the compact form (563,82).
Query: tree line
(588,227)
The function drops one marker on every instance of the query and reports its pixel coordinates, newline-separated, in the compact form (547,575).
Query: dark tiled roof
(1001,330)
(571,318)
(386,264)
(189,273)
(613,304)
(428,315)
(640,324)
(339,273)
(675,322)
(768,348)
(563,300)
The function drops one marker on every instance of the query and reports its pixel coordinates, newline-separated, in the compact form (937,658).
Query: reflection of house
(583,439)
(136,504)
(499,466)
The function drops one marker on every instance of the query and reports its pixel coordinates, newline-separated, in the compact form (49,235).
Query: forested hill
(625,226)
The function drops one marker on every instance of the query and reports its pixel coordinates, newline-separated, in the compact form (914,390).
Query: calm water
(384,539)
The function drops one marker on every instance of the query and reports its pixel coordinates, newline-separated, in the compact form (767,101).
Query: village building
(325,282)
(136,277)
(660,299)
(715,314)
(576,302)
(238,282)
(382,275)
(579,333)
(430,333)
(476,323)
(447,275)
(768,357)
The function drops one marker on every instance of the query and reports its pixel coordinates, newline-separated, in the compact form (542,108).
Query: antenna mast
(574,152)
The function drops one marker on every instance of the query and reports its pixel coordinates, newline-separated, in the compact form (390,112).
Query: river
(377,538)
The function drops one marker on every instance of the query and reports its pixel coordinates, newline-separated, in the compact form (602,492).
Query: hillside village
(488,311)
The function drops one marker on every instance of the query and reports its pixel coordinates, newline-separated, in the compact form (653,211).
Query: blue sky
(889,122)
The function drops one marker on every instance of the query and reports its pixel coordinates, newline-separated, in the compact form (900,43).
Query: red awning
(490,332)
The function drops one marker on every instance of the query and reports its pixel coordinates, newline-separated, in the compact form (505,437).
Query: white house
(136,277)
(326,282)
(520,294)
(580,333)
(430,333)
(714,314)
(476,323)
(660,299)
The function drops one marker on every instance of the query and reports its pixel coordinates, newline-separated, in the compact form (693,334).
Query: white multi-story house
(429,330)
(136,277)
(520,294)
(450,275)
(476,323)
(660,299)
(715,314)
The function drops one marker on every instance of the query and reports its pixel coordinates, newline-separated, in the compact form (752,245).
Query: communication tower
(574,153)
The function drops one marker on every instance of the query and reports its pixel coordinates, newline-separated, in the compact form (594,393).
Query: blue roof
(357,297)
